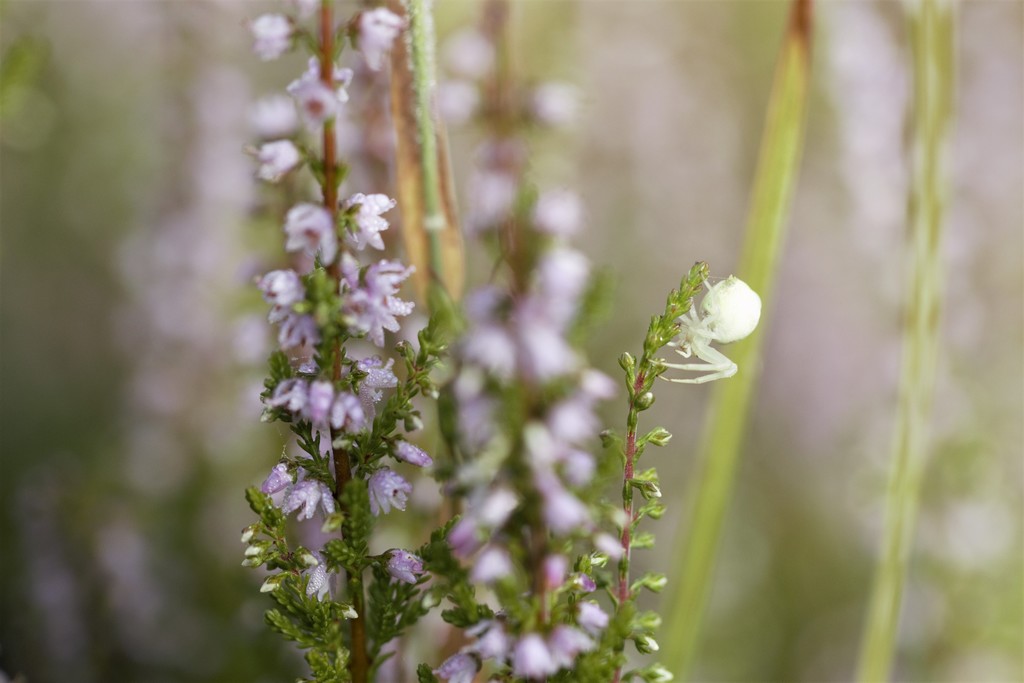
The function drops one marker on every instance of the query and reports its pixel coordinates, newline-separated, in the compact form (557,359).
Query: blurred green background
(131,342)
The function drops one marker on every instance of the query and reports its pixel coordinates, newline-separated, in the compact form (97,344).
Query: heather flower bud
(459,668)
(406,452)
(627,362)
(645,645)
(645,400)
(308,559)
(272,583)
(659,436)
(249,532)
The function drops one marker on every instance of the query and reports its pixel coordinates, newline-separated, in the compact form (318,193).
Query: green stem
(421,55)
(932,29)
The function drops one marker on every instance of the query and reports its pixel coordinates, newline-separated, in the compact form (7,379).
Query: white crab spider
(729,312)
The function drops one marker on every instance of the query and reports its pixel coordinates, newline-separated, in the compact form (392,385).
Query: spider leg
(716,364)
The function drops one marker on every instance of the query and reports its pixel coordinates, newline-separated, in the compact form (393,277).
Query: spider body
(729,312)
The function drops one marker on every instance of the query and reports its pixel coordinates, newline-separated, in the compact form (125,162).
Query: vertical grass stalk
(932,31)
(777,169)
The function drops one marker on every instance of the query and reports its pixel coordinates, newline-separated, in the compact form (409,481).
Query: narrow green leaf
(777,170)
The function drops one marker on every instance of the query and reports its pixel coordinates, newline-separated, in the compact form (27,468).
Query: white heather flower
(318,584)
(274,117)
(321,397)
(347,412)
(388,489)
(459,668)
(457,101)
(272,35)
(558,212)
(565,643)
(378,376)
(531,658)
(276,159)
(297,331)
(405,566)
(378,29)
(368,220)
(306,495)
(468,53)
(555,104)
(491,564)
(282,288)
(591,618)
(413,455)
(491,640)
(309,228)
(372,303)
(290,394)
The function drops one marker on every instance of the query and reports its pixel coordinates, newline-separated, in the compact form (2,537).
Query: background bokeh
(131,340)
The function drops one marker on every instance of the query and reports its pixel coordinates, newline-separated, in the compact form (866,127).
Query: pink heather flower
(544,352)
(555,568)
(555,104)
(272,35)
(492,564)
(457,101)
(316,101)
(577,466)
(469,54)
(378,376)
(321,397)
(561,278)
(297,330)
(306,495)
(459,668)
(565,643)
(609,545)
(463,537)
(274,117)
(558,212)
(318,584)
(563,512)
(492,348)
(278,480)
(347,412)
(342,78)
(405,566)
(373,305)
(491,640)
(413,455)
(378,29)
(583,582)
(496,507)
(305,8)
(388,489)
(492,194)
(276,159)
(598,385)
(591,618)
(290,394)
(309,228)
(281,289)
(368,220)
(531,658)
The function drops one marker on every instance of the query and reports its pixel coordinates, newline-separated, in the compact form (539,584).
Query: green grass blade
(775,179)
(932,29)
